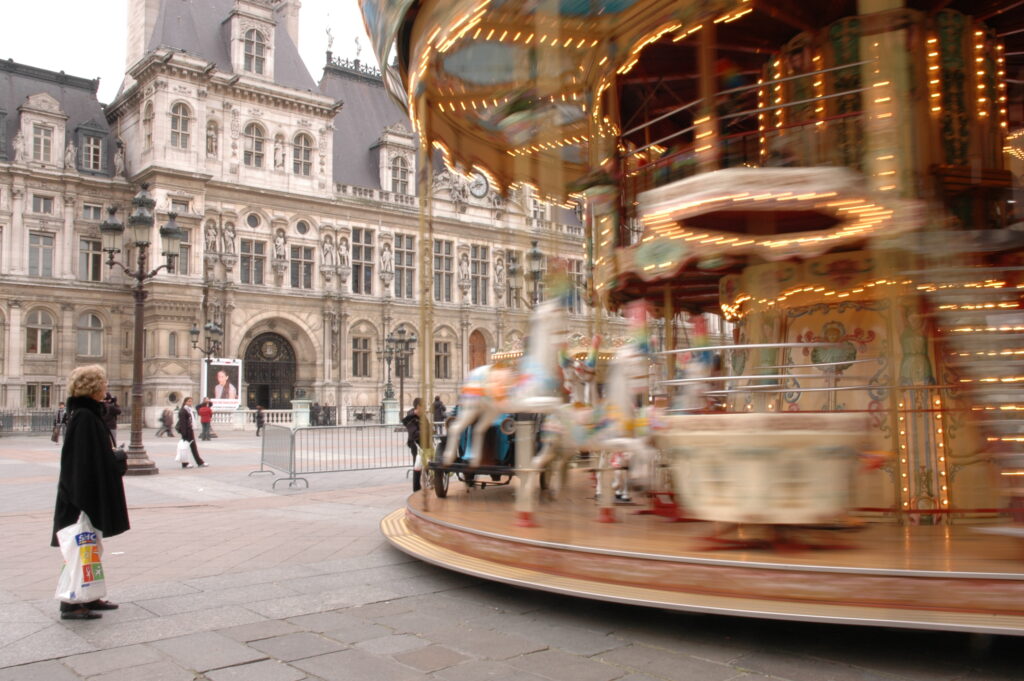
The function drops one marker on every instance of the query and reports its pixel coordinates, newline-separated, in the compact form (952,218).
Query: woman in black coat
(186,426)
(90,476)
(412,428)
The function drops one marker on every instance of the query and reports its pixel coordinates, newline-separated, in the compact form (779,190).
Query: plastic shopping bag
(82,578)
(184,450)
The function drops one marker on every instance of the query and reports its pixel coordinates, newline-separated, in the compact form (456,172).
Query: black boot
(416,486)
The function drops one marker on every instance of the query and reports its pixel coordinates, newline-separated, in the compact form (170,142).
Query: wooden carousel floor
(933,577)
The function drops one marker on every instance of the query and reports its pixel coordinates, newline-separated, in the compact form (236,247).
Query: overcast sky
(86,38)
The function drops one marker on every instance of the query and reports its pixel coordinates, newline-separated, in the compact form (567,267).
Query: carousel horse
(534,386)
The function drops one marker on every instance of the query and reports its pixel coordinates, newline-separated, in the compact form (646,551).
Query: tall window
(539,212)
(362,260)
(255,51)
(40,255)
(181,120)
(579,286)
(37,395)
(90,336)
(181,266)
(254,258)
(42,143)
(42,204)
(172,344)
(361,357)
(90,260)
(147,125)
(255,140)
(442,360)
(405,265)
(302,267)
(443,270)
(479,273)
(39,333)
(92,211)
(302,155)
(399,176)
(92,152)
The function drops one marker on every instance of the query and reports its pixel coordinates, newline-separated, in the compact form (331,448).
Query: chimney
(287,12)
(141,22)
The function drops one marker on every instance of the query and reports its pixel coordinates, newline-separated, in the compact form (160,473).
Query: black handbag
(121,459)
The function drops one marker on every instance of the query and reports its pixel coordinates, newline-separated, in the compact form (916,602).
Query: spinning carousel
(835,182)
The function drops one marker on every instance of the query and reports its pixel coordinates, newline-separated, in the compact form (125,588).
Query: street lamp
(112,232)
(535,261)
(211,345)
(398,347)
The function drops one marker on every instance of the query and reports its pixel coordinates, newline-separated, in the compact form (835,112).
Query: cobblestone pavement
(222,578)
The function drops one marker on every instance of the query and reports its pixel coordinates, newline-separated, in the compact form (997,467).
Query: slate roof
(197,27)
(77,97)
(367,111)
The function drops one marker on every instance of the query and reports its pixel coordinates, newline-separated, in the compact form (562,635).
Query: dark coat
(412,426)
(439,410)
(110,413)
(185,425)
(89,477)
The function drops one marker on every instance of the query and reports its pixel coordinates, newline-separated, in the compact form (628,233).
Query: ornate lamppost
(535,262)
(402,347)
(112,230)
(211,344)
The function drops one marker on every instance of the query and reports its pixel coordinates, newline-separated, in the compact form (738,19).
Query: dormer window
(255,140)
(399,176)
(181,118)
(302,154)
(255,51)
(92,152)
(42,143)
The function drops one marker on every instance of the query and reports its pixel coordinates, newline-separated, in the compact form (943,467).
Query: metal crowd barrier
(27,421)
(332,449)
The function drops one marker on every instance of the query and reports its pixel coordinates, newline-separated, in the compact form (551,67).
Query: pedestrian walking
(60,423)
(205,418)
(90,476)
(439,410)
(261,420)
(412,427)
(314,414)
(111,411)
(187,418)
(166,423)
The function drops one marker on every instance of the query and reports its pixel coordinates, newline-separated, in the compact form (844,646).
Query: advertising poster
(222,383)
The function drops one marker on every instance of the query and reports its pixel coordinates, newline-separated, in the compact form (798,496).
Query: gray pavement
(222,578)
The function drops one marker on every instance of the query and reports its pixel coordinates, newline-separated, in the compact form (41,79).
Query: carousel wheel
(440,483)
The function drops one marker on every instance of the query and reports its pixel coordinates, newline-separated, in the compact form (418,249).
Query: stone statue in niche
(211,237)
(211,139)
(330,256)
(387,259)
(280,253)
(464,271)
(343,252)
(119,160)
(228,237)
(19,148)
(499,274)
(70,155)
(278,152)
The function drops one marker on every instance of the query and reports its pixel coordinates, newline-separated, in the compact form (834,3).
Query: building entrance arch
(477,350)
(269,370)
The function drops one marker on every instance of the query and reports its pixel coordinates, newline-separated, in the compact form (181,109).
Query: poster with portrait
(222,383)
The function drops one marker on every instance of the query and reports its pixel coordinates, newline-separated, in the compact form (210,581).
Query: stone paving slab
(294,584)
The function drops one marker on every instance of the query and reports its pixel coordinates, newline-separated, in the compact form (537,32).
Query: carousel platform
(926,577)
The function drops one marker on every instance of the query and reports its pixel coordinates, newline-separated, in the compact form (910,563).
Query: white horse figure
(534,386)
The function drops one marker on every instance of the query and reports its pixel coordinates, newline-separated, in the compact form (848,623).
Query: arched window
(172,344)
(147,125)
(399,176)
(255,141)
(255,51)
(90,336)
(181,121)
(38,333)
(302,153)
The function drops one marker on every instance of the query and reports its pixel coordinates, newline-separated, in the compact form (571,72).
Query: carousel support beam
(707,124)
(670,333)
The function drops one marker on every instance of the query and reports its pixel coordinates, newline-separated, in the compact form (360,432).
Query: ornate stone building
(298,199)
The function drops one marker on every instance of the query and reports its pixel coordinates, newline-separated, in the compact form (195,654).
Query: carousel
(833,181)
